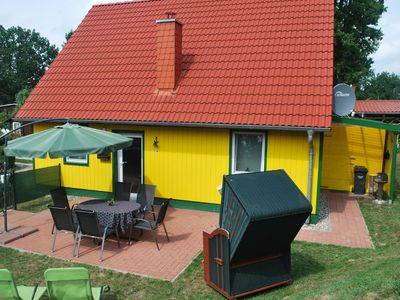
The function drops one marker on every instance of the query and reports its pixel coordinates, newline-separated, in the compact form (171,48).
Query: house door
(130,163)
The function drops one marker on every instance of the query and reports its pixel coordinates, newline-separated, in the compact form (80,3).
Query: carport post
(5,190)
(393,167)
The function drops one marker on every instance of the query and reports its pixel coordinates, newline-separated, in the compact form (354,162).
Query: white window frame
(77,161)
(233,145)
(16,125)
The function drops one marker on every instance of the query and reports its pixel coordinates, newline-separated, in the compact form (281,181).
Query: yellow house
(188,163)
(201,93)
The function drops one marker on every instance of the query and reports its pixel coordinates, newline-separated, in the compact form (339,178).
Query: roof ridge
(121,3)
(378,100)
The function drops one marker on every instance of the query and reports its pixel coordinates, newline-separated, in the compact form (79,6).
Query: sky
(53,18)
(387,58)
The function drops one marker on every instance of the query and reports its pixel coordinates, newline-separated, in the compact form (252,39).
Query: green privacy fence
(10,191)
(36,183)
(11,164)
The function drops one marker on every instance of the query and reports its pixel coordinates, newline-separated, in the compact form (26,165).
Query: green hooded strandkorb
(267,206)
(66,140)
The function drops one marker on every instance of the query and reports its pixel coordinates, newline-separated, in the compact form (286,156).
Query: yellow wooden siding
(96,176)
(188,164)
(349,146)
(290,151)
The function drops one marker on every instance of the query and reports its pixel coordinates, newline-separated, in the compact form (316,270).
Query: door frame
(118,156)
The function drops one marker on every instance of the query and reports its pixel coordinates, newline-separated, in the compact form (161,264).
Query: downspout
(310,138)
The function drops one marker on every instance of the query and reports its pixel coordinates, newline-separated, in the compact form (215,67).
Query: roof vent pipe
(310,138)
(169,52)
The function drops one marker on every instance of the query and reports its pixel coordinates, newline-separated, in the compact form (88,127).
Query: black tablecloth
(120,214)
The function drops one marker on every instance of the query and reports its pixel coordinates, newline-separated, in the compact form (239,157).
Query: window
(77,160)
(248,152)
(16,125)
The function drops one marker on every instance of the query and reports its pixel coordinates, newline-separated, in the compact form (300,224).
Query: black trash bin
(360,178)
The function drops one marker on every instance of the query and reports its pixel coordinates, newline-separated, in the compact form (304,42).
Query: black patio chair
(122,191)
(145,198)
(143,224)
(63,221)
(60,199)
(89,226)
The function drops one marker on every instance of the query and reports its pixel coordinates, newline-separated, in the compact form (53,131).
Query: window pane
(248,152)
(81,157)
(78,159)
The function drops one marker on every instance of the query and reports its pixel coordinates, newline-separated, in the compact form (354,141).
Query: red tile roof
(245,62)
(377,106)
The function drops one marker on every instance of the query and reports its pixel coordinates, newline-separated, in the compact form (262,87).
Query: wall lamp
(155,143)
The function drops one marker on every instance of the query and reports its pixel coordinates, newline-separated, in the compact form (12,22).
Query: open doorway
(130,163)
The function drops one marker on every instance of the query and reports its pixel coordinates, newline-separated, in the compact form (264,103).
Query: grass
(36,205)
(23,160)
(319,271)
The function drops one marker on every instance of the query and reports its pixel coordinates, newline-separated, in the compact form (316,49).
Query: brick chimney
(169,52)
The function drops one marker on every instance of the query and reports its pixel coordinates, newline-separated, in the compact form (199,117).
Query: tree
(24,57)
(4,117)
(21,97)
(356,37)
(67,36)
(384,86)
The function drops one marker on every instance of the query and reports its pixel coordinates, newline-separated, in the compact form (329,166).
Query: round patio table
(120,214)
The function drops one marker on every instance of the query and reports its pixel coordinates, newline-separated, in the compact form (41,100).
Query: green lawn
(36,205)
(319,271)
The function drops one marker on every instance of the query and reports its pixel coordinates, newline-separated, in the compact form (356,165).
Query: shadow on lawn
(304,265)
(109,296)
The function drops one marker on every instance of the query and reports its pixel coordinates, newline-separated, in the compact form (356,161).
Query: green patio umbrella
(66,140)
(61,141)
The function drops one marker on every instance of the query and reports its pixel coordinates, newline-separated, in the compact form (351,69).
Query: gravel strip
(324,222)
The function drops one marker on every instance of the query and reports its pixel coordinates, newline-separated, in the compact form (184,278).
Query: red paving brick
(16,216)
(185,230)
(347,225)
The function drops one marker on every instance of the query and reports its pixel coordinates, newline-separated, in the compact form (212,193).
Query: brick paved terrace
(347,226)
(185,230)
(184,227)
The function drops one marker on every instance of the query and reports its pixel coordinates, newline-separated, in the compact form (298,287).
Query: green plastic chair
(8,289)
(71,283)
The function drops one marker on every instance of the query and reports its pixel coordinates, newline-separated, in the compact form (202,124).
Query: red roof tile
(245,62)
(377,106)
